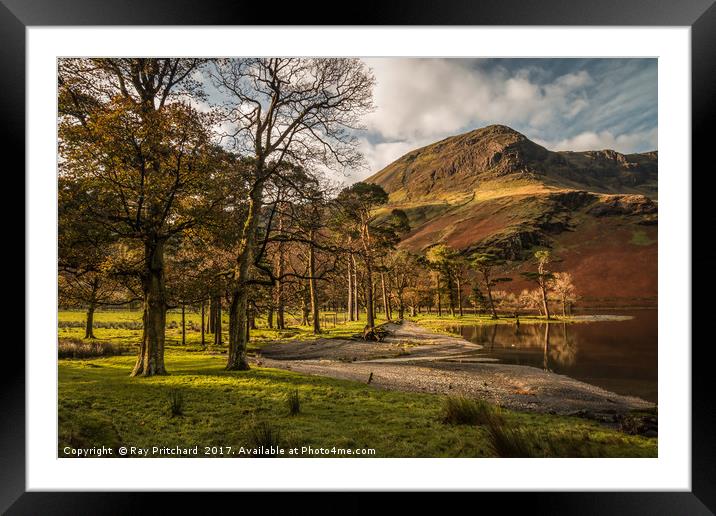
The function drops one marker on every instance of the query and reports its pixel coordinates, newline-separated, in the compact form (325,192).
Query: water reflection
(558,349)
(620,356)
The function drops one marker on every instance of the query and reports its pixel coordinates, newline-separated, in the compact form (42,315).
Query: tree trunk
(350,290)
(212,314)
(278,293)
(312,286)
(355,289)
(150,359)
(459,296)
(543,288)
(89,325)
(217,321)
(440,303)
(305,310)
(251,315)
(489,296)
(183,325)
(564,307)
(269,317)
(386,304)
(239,298)
(451,294)
(203,330)
(369,306)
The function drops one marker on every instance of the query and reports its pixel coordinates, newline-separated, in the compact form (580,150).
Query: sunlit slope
(493,189)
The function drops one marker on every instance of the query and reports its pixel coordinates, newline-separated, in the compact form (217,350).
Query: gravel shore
(414,359)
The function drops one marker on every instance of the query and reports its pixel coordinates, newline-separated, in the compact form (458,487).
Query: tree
(128,134)
(300,111)
(87,255)
(404,270)
(485,264)
(531,300)
(542,277)
(442,259)
(357,204)
(478,299)
(563,286)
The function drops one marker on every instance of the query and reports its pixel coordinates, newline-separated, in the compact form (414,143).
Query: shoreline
(416,359)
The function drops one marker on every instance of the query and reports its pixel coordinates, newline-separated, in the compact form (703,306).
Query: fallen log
(375,334)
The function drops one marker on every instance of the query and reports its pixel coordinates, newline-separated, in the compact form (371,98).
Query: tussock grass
(509,440)
(264,438)
(176,402)
(293,402)
(458,410)
(78,348)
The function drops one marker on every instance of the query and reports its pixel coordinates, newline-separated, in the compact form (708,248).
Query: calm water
(620,356)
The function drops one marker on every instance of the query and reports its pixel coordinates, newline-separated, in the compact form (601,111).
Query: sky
(562,104)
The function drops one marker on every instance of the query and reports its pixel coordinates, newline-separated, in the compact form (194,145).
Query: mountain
(494,189)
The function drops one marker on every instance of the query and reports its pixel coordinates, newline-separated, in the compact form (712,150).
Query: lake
(620,356)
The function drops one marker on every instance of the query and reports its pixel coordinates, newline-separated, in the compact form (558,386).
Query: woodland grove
(205,183)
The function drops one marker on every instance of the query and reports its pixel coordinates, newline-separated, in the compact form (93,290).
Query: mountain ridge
(497,151)
(492,189)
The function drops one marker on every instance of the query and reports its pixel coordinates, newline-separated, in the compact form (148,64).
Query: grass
(99,404)
(124,328)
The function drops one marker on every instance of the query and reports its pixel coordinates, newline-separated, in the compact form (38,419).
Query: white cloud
(434,98)
(589,140)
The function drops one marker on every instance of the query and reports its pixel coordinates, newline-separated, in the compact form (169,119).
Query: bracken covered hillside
(493,188)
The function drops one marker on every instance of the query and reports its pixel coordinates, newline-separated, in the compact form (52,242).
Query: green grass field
(71,325)
(100,405)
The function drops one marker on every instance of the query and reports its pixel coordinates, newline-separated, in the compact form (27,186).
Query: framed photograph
(421,251)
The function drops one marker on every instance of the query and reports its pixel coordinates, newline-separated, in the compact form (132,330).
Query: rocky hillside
(467,161)
(494,189)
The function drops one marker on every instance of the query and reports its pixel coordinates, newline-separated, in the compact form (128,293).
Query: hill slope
(494,189)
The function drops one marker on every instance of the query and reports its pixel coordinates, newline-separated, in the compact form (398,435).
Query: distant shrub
(265,438)
(78,348)
(293,402)
(116,325)
(459,410)
(176,402)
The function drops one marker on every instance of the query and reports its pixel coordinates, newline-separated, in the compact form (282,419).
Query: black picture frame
(700,15)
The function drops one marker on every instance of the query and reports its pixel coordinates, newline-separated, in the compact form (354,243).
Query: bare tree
(301,111)
(542,277)
(563,286)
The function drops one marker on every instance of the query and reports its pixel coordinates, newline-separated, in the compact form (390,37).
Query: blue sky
(563,104)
